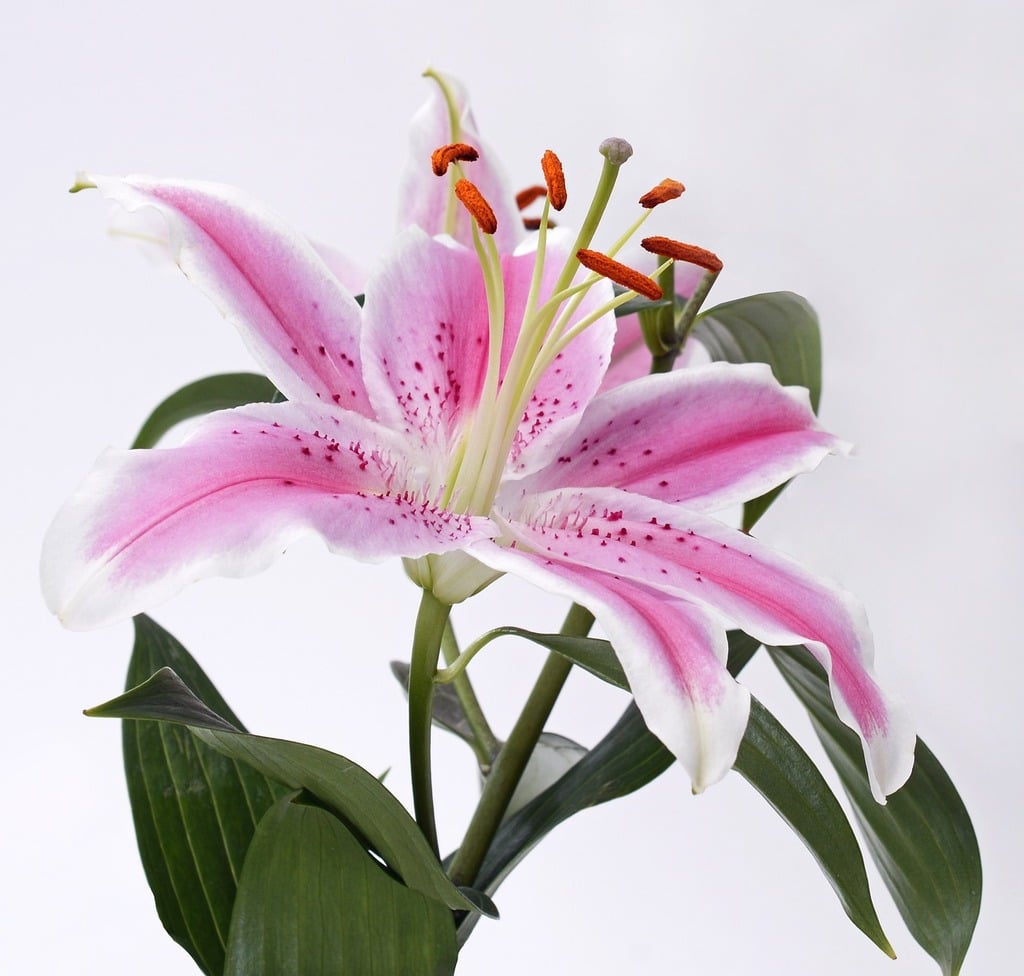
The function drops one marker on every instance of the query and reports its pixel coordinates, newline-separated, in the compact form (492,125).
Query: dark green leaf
(204,396)
(629,757)
(349,791)
(194,810)
(311,901)
(774,764)
(777,328)
(922,840)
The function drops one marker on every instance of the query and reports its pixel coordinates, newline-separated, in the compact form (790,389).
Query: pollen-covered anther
(620,273)
(554,177)
(444,156)
(666,190)
(667,248)
(473,200)
(533,223)
(531,194)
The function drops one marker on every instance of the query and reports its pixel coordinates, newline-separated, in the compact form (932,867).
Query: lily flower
(454,420)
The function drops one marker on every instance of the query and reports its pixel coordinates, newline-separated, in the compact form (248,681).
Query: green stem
(515,754)
(426,648)
(485,743)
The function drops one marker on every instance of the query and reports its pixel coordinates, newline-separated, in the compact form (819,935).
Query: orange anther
(620,273)
(472,199)
(554,178)
(525,197)
(666,190)
(442,158)
(678,251)
(533,223)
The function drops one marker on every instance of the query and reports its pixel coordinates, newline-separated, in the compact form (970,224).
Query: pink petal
(673,653)
(242,488)
(423,197)
(690,556)
(427,335)
(574,377)
(298,321)
(709,436)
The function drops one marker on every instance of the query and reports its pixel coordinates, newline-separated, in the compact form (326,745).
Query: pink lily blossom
(455,420)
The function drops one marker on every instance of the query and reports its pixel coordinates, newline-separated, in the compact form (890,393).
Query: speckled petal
(690,556)
(709,437)
(245,485)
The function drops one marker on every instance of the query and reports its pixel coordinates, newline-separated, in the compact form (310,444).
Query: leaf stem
(485,743)
(431,622)
(515,754)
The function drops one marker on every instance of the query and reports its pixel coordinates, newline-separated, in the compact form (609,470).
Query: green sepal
(194,809)
(312,901)
(219,392)
(922,839)
(350,792)
(778,328)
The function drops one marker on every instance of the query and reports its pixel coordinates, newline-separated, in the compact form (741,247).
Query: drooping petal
(673,653)
(302,326)
(709,437)
(693,557)
(426,200)
(246,484)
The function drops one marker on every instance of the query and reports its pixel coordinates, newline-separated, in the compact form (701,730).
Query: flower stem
(515,754)
(426,648)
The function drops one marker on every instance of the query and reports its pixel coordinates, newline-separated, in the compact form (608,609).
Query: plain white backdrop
(866,154)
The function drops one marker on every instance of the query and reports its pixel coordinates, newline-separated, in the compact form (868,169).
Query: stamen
(533,223)
(472,199)
(666,190)
(554,178)
(620,273)
(525,197)
(443,157)
(678,251)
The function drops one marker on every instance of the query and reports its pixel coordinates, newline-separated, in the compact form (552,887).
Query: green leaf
(922,839)
(203,396)
(312,901)
(629,757)
(195,810)
(773,763)
(777,328)
(349,791)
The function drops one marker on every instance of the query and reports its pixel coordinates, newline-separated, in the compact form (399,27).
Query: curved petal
(709,437)
(673,653)
(425,199)
(690,556)
(245,485)
(298,321)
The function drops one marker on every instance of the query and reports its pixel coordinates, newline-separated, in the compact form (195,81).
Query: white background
(866,154)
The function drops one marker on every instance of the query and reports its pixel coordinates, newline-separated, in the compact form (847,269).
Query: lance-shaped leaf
(777,328)
(630,756)
(221,392)
(194,809)
(312,901)
(351,793)
(922,840)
